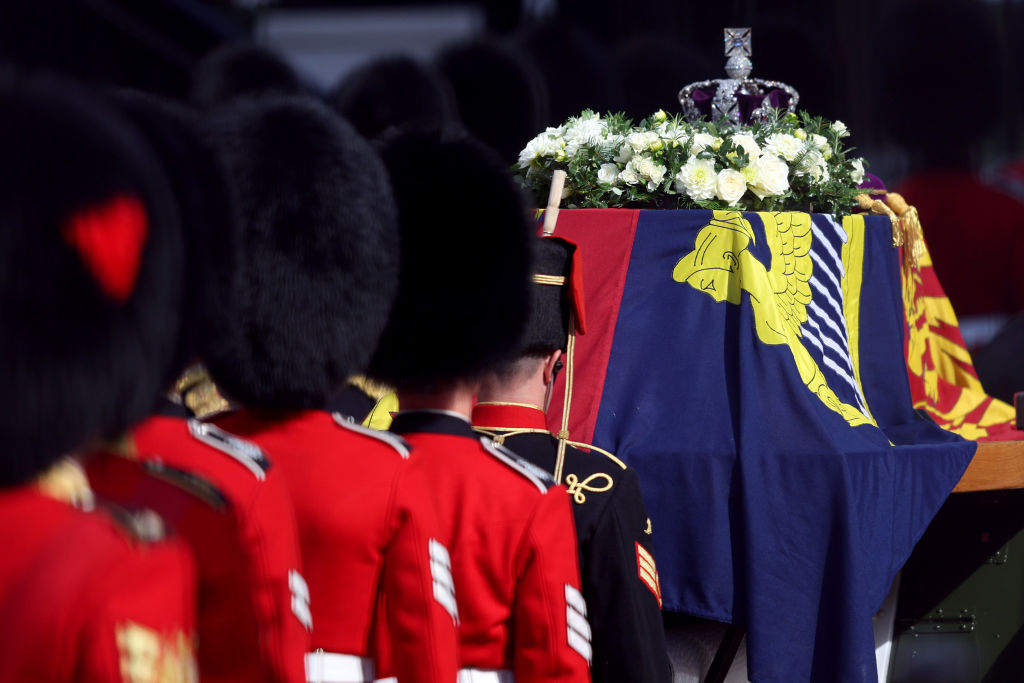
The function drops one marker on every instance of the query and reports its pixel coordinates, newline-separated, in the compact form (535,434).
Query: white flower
(701,141)
(771,176)
(629,175)
(671,134)
(608,173)
(697,179)
(649,170)
(731,185)
(625,153)
(840,127)
(857,171)
(819,142)
(643,140)
(659,116)
(548,144)
(584,133)
(813,164)
(786,146)
(748,143)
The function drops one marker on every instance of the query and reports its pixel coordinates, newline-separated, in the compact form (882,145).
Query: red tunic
(367,531)
(83,600)
(230,504)
(514,558)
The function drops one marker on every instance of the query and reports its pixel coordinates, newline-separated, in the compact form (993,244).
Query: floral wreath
(790,161)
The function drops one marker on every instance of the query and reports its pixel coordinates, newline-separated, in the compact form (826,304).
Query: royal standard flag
(750,367)
(943,381)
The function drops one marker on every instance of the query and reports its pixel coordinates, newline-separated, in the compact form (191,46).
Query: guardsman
(90,249)
(241,69)
(394,92)
(319,274)
(507,525)
(221,494)
(620,577)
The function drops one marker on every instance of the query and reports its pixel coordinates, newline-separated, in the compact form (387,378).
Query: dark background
(841,56)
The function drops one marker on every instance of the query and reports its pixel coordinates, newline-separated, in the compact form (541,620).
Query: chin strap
(563,433)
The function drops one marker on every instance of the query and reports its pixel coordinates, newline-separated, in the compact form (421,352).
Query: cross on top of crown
(737,42)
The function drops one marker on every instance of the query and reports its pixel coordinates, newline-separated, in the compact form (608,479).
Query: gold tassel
(913,234)
(878,207)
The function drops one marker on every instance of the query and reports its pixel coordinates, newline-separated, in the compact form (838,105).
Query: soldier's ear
(552,366)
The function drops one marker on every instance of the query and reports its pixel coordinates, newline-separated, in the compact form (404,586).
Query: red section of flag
(109,238)
(609,239)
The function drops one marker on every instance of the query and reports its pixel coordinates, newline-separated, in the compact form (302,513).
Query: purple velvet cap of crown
(702,98)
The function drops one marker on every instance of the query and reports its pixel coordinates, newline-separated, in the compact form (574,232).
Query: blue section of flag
(769,509)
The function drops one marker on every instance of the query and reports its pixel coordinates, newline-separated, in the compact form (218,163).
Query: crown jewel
(738,98)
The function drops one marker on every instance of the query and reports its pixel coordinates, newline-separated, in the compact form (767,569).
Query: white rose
(731,186)
(628,175)
(857,171)
(786,146)
(697,179)
(608,173)
(819,142)
(649,170)
(840,127)
(642,140)
(748,144)
(771,176)
(702,141)
(625,153)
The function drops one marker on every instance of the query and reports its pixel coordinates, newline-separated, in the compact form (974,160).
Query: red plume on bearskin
(109,239)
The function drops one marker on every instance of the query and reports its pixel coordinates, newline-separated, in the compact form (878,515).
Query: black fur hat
(556,297)
(90,260)
(241,70)
(319,253)
(209,215)
(501,95)
(466,257)
(393,92)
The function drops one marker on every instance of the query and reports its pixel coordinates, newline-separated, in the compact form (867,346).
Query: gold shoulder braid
(499,434)
(372,389)
(66,481)
(197,391)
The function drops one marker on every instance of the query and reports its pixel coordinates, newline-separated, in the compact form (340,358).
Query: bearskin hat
(209,215)
(393,92)
(91,252)
(242,70)
(319,253)
(463,295)
(556,297)
(500,93)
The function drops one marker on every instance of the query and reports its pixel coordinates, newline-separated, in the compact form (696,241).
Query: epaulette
(539,477)
(389,438)
(245,452)
(189,481)
(142,525)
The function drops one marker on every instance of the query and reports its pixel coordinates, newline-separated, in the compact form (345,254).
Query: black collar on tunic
(432,422)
